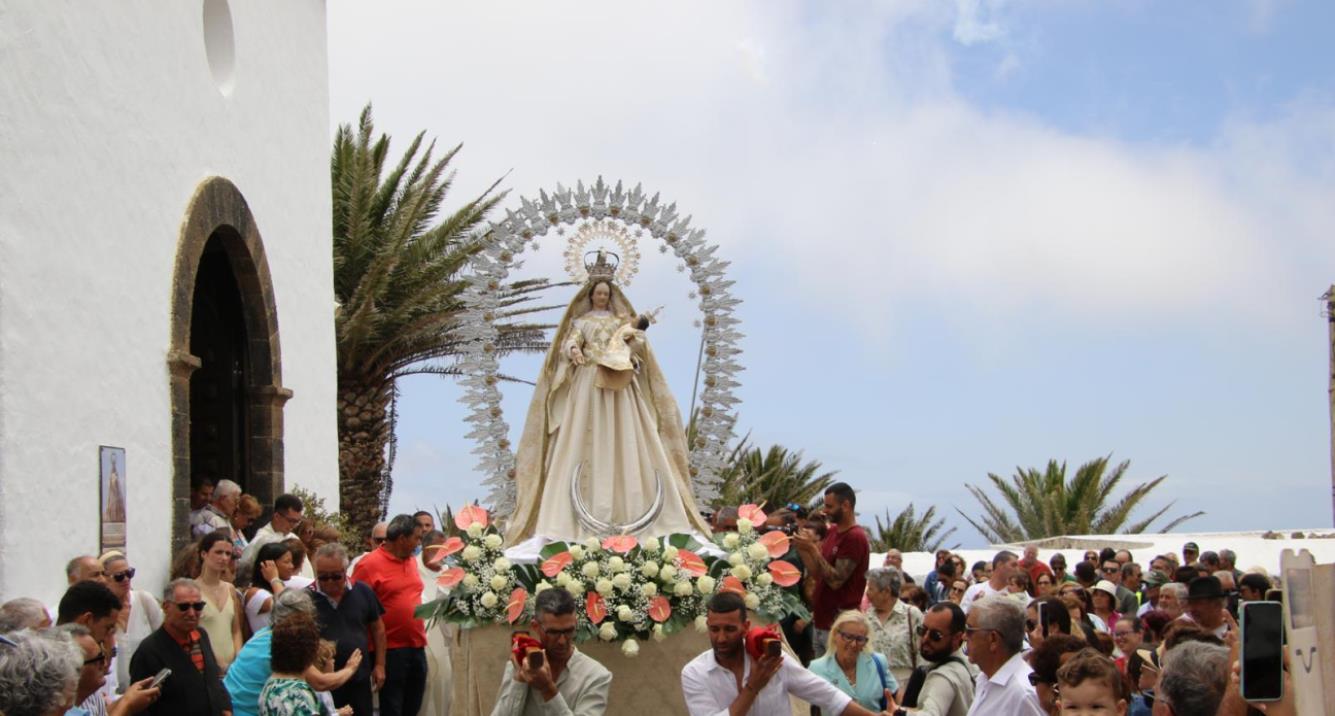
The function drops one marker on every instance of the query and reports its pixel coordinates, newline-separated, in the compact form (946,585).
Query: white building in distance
(165,270)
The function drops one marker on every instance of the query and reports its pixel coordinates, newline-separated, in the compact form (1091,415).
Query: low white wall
(112,118)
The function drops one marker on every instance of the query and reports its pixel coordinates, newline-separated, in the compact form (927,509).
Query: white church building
(165,271)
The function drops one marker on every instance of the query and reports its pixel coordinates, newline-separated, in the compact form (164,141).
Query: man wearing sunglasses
(349,615)
(93,675)
(995,636)
(195,684)
(946,686)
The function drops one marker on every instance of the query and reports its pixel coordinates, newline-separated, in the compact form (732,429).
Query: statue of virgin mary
(602,418)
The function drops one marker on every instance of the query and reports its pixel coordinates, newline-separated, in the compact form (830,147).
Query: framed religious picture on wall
(112,480)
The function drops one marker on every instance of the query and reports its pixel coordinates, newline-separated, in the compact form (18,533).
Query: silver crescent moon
(599,527)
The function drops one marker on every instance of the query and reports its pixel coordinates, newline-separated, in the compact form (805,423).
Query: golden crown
(599,268)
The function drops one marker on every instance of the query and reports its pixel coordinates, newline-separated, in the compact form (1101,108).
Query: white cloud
(976,22)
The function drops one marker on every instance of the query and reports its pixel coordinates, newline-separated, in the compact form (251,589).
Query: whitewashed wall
(109,118)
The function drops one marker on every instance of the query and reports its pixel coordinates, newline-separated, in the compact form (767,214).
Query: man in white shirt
(282,525)
(725,681)
(995,638)
(1003,566)
(566,682)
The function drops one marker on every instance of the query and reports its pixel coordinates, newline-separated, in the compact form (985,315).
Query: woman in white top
(140,616)
(273,567)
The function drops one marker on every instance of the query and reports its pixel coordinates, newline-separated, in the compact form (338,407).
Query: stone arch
(218,217)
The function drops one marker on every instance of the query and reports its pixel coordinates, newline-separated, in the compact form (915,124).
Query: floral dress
(284,696)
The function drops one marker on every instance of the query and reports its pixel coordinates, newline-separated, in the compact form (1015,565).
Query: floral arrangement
(630,589)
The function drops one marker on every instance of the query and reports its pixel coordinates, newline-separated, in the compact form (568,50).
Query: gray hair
(1005,616)
(225,488)
(1228,555)
(75,630)
(72,566)
(1194,678)
(887,578)
(332,549)
(555,601)
(39,672)
(292,601)
(1177,589)
(22,613)
(169,591)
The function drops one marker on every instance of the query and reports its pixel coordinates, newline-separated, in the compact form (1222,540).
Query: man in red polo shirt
(391,572)
(839,563)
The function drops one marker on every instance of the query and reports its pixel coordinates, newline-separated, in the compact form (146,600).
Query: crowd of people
(280,620)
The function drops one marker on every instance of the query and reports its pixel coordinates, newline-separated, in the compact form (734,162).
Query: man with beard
(947,680)
(727,680)
(839,563)
(566,681)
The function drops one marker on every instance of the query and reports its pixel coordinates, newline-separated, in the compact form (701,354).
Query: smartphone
(1043,620)
(535,659)
(159,678)
(773,648)
(1274,595)
(1262,655)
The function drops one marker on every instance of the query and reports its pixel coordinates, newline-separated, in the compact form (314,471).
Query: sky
(970,236)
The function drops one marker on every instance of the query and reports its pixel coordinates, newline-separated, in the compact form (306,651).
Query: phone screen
(160,677)
(1262,651)
(535,659)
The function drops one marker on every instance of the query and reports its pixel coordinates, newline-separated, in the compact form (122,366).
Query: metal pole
(700,359)
(1330,375)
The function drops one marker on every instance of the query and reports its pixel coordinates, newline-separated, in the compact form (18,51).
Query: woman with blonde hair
(140,614)
(247,511)
(851,665)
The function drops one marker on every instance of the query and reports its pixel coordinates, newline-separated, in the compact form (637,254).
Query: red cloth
(522,644)
(398,586)
(191,646)
(853,545)
(756,638)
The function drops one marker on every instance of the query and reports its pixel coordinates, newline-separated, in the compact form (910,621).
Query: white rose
(764,579)
(667,573)
(741,572)
(731,540)
(470,581)
(616,564)
(752,601)
(576,589)
(630,648)
(472,553)
(621,581)
(669,554)
(489,599)
(607,632)
(705,584)
(736,558)
(649,569)
(593,545)
(501,564)
(492,541)
(576,552)
(682,589)
(744,525)
(757,551)
(659,634)
(499,582)
(649,590)
(475,530)
(590,569)
(701,625)
(543,586)
(562,579)
(625,613)
(603,587)
(650,546)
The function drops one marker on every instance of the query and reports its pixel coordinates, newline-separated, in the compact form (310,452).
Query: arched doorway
(225,365)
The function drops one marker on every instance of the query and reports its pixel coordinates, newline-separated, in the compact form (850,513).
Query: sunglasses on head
(187,606)
(122,576)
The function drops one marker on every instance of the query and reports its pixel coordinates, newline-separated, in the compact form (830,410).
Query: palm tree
(1043,504)
(395,280)
(773,477)
(908,532)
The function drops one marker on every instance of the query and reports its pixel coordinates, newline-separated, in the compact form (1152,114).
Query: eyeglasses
(559,633)
(1122,633)
(974,630)
(931,634)
(331,576)
(122,576)
(187,606)
(95,660)
(852,638)
(1111,570)
(1035,679)
(377,540)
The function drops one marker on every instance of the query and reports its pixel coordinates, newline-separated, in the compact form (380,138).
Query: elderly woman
(894,623)
(39,672)
(140,615)
(851,665)
(1104,597)
(296,643)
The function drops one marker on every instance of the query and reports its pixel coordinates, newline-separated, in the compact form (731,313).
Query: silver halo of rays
(616,212)
(599,527)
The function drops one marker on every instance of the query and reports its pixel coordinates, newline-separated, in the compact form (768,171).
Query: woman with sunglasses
(140,615)
(851,665)
(222,612)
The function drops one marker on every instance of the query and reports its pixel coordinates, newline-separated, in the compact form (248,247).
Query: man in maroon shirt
(391,572)
(838,563)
